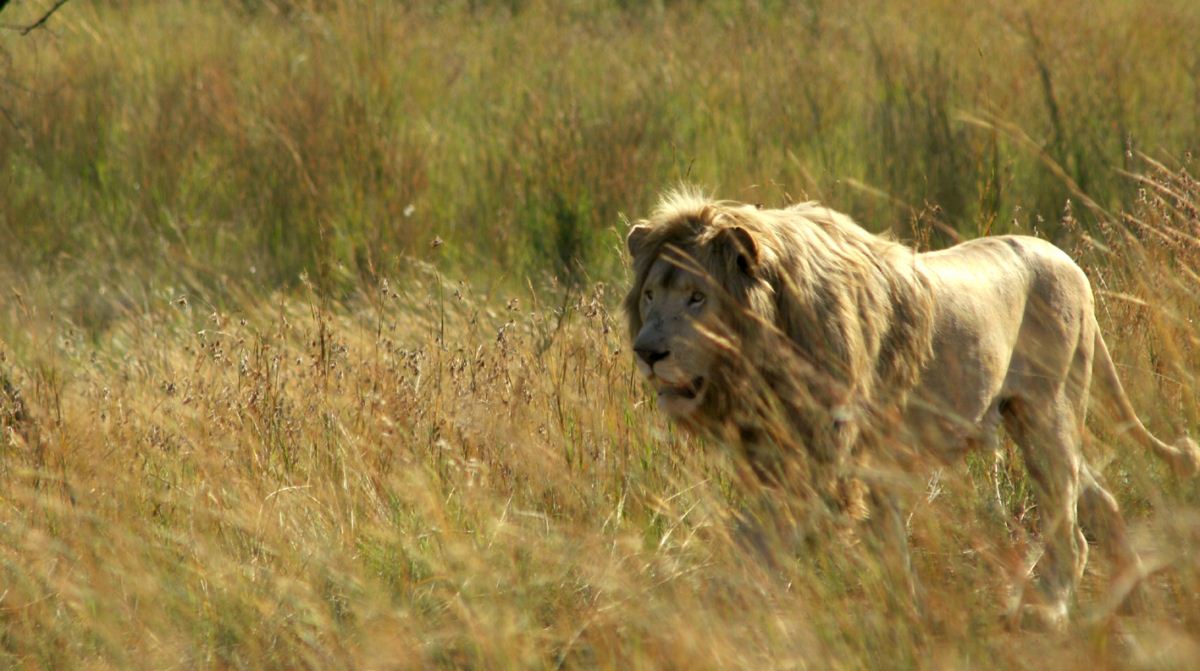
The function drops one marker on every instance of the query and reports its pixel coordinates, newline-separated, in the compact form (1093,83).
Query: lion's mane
(838,329)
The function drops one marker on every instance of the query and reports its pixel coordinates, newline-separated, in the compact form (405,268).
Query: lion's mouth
(687,392)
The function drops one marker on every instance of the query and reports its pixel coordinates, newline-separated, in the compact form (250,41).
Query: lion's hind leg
(1048,435)
(1101,518)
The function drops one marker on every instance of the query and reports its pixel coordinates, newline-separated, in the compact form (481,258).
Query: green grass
(253,417)
(252,142)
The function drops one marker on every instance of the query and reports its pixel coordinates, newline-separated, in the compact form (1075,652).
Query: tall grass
(258,140)
(308,356)
(425,475)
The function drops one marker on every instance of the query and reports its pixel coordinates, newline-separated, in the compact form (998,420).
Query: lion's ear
(748,252)
(636,239)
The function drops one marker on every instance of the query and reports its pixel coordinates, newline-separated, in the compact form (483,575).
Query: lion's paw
(1043,617)
(1029,615)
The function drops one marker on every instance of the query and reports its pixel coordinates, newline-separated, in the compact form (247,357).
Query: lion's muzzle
(680,399)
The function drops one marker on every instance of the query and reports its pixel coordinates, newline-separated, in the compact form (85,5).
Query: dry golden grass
(429,476)
(207,462)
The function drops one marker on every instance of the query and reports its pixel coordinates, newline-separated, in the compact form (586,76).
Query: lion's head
(732,304)
(702,284)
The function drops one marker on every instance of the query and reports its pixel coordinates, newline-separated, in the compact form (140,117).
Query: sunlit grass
(252,416)
(426,475)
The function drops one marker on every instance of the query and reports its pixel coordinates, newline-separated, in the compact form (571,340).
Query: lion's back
(1005,272)
(1003,307)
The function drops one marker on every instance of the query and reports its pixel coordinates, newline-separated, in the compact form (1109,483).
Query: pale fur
(846,337)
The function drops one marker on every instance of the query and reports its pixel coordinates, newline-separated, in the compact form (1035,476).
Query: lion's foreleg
(888,539)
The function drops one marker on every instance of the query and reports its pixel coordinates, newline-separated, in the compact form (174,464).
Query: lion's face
(674,349)
(697,279)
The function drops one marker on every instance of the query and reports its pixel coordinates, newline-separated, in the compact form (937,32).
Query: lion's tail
(1184,455)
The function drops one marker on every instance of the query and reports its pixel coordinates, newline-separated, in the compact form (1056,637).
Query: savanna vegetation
(310,354)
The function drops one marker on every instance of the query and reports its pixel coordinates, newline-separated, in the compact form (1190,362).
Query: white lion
(739,314)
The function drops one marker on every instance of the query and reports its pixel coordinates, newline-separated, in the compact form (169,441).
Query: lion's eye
(696,299)
(648,295)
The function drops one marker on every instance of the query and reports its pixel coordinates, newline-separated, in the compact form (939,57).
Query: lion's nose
(651,356)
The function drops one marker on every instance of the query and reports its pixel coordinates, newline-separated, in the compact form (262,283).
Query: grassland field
(311,353)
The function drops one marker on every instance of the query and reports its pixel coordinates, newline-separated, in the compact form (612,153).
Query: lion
(739,315)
